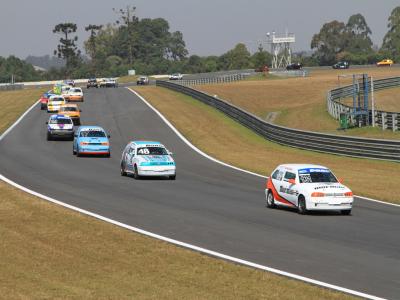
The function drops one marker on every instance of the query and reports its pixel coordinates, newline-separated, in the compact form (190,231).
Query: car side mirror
(108,135)
(47,122)
(340,180)
(80,110)
(292,181)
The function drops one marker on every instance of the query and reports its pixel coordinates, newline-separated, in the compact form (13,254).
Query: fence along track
(327,143)
(384,119)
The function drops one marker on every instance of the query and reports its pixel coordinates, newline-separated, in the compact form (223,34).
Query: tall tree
(357,34)
(329,42)
(391,41)
(91,43)
(238,57)
(261,58)
(67,49)
(127,21)
(177,47)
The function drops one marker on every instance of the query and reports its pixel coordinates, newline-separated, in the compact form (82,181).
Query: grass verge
(217,135)
(301,101)
(50,252)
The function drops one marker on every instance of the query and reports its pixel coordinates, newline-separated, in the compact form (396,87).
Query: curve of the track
(209,205)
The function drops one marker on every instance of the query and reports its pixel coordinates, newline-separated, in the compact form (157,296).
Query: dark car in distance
(294,66)
(92,82)
(341,65)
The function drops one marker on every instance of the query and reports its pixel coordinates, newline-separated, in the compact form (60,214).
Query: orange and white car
(71,110)
(385,63)
(307,187)
(75,94)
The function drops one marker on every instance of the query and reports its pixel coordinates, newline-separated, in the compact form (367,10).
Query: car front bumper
(330,204)
(157,171)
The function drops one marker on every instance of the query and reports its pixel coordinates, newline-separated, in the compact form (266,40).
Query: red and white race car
(307,187)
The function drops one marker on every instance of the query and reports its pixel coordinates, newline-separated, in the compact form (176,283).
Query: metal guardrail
(383,119)
(328,143)
(8,87)
(225,78)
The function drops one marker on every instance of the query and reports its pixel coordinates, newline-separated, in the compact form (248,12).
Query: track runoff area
(211,207)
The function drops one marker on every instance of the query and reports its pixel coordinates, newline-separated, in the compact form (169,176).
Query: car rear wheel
(172,177)
(302,208)
(270,200)
(346,212)
(49,137)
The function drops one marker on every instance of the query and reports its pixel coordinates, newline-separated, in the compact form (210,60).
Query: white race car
(108,82)
(176,76)
(54,103)
(145,158)
(307,187)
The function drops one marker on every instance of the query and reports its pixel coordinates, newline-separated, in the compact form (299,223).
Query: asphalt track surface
(209,205)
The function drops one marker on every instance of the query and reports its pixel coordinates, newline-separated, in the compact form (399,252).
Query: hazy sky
(208,26)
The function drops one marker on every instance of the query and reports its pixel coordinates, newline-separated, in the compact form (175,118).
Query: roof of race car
(55,97)
(90,128)
(295,167)
(58,117)
(147,143)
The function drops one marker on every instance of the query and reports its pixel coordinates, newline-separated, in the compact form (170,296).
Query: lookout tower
(280,49)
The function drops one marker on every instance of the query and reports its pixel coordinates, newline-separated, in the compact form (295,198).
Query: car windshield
(313,176)
(75,90)
(92,133)
(69,108)
(56,99)
(60,121)
(152,151)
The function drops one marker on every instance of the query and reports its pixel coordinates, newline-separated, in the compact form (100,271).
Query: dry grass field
(49,252)
(217,135)
(301,102)
(14,103)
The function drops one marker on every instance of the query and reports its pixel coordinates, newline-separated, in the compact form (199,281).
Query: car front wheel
(123,172)
(302,208)
(136,173)
(270,200)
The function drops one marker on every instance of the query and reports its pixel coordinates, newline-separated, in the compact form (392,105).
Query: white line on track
(172,241)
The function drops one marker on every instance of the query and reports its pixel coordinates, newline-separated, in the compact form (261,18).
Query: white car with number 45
(146,158)
(307,187)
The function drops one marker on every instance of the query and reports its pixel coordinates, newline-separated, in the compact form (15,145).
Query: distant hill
(45,62)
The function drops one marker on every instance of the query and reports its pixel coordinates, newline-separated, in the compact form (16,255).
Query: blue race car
(91,140)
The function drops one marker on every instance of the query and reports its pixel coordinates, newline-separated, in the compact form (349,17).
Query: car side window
(277,175)
(289,175)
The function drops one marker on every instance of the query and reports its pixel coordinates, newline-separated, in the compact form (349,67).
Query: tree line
(149,47)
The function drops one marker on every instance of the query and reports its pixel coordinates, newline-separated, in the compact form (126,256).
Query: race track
(209,205)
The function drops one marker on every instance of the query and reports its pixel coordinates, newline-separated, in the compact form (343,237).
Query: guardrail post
(383,118)
(394,122)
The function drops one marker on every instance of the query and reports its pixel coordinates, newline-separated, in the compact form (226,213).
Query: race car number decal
(144,151)
(305,178)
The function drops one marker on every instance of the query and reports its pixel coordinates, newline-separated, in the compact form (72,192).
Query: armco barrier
(341,145)
(7,87)
(383,119)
